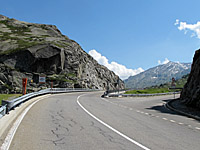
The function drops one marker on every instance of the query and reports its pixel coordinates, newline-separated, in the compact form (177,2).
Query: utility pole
(118,82)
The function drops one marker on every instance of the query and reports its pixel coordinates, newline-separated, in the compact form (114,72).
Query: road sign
(42,79)
(173,84)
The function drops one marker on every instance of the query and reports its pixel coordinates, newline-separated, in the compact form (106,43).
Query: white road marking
(172,121)
(197,128)
(11,133)
(111,128)
(164,118)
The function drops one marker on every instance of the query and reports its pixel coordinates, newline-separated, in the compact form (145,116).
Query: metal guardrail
(2,111)
(138,95)
(8,105)
(143,95)
(115,91)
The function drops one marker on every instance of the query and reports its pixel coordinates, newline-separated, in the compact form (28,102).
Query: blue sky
(131,33)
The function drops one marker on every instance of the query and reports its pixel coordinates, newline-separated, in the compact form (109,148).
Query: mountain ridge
(158,75)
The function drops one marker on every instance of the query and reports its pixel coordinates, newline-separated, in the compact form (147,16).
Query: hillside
(179,83)
(162,88)
(158,75)
(31,50)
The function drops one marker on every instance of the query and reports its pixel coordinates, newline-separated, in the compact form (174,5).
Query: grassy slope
(149,91)
(8,96)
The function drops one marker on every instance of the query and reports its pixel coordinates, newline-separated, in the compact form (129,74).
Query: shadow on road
(162,108)
(187,110)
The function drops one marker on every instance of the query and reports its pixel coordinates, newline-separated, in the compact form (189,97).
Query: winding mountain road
(85,121)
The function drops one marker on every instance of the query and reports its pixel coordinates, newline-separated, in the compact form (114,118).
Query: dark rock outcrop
(190,94)
(30,50)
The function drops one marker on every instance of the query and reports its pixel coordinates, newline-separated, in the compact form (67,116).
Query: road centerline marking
(164,118)
(197,128)
(111,128)
(172,121)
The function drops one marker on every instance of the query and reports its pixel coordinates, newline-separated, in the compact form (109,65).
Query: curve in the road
(111,128)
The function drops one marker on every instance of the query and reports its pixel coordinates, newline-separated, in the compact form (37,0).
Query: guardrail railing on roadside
(136,95)
(2,111)
(8,105)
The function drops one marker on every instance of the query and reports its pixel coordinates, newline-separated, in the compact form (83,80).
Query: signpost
(173,85)
(51,85)
(24,83)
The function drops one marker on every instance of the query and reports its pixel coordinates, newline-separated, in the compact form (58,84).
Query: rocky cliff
(190,94)
(32,50)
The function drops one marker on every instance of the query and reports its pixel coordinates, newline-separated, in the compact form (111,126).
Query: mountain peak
(158,75)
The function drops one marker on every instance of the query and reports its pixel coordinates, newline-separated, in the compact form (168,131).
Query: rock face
(190,94)
(31,50)
(158,75)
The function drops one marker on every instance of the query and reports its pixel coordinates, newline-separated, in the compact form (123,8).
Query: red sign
(24,83)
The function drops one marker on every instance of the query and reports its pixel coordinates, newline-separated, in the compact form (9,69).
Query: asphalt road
(85,121)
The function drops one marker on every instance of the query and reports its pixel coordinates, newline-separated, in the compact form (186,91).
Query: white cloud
(177,22)
(195,28)
(164,62)
(98,57)
(118,69)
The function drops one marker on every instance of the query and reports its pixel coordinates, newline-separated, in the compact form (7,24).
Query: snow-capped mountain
(158,75)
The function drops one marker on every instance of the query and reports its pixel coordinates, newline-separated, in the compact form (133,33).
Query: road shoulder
(7,121)
(180,108)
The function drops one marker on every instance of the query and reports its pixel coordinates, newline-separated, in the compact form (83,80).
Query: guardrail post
(4,108)
(2,111)
(7,104)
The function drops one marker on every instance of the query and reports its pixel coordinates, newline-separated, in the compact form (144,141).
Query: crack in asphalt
(107,136)
(59,140)
(82,128)
(60,115)
(60,126)
(73,121)
(57,118)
